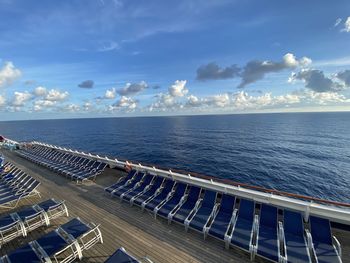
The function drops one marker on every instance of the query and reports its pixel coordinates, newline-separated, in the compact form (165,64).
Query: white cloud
(20,98)
(2,100)
(337,22)
(178,89)
(8,74)
(41,104)
(290,60)
(40,91)
(71,107)
(346,25)
(125,103)
(132,88)
(56,95)
(110,93)
(108,46)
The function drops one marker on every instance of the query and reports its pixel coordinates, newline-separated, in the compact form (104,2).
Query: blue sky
(104,58)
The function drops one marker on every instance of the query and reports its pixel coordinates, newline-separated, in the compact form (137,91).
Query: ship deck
(124,226)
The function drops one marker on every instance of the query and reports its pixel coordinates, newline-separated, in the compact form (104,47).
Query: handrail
(170,172)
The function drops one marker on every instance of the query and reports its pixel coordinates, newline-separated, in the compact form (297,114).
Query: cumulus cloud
(346,25)
(212,71)
(71,107)
(256,70)
(316,80)
(110,93)
(8,74)
(86,84)
(178,89)
(108,46)
(344,76)
(132,88)
(56,95)
(40,91)
(337,22)
(2,101)
(43,104)
(124,103)
(20,98)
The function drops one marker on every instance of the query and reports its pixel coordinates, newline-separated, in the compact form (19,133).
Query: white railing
(336,212)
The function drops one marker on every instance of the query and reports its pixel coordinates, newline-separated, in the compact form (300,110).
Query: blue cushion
(75,227)
(24,254)
(120,256)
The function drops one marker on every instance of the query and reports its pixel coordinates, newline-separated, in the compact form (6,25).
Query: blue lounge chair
(138,200)
(160,196)
(293,231)
(186,206)
(64,244)
(10,228)
(223,218)
(322,244)
(31,218)
(171,202)
(130,185)
(7,202)
(122,181)
(202,215)
(243,227)
(52,208)
(121,256)
(138,190)
(268,243)
(87,235)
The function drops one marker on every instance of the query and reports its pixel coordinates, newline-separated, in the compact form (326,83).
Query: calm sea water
(306,153)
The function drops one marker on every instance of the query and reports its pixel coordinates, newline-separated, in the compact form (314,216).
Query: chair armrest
(337,245)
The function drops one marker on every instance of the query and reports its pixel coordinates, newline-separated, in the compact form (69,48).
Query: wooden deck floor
(121,225)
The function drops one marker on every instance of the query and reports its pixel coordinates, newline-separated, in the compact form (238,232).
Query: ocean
(304,153)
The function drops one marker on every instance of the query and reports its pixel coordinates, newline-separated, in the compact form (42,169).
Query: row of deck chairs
(65,244)
(74,167)
(239,222)
(20,223)
(15,185)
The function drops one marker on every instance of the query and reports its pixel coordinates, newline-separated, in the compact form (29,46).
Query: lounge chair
(322,241)
(147,193)
(203,213)
(222,219)
(160,196)
(297,249)
(268,241)
(138,190)
(171,202)
(122,181)
(187,204)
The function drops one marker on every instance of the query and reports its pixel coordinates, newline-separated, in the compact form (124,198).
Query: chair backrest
(293,223)
(147,179)
(320,230)
(193,195)
(157,182)
(227,203)
(209,198)
(246,209)
(180,189)
(268,216)
(169,184)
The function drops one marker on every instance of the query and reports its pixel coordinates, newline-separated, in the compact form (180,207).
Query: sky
(106,58)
